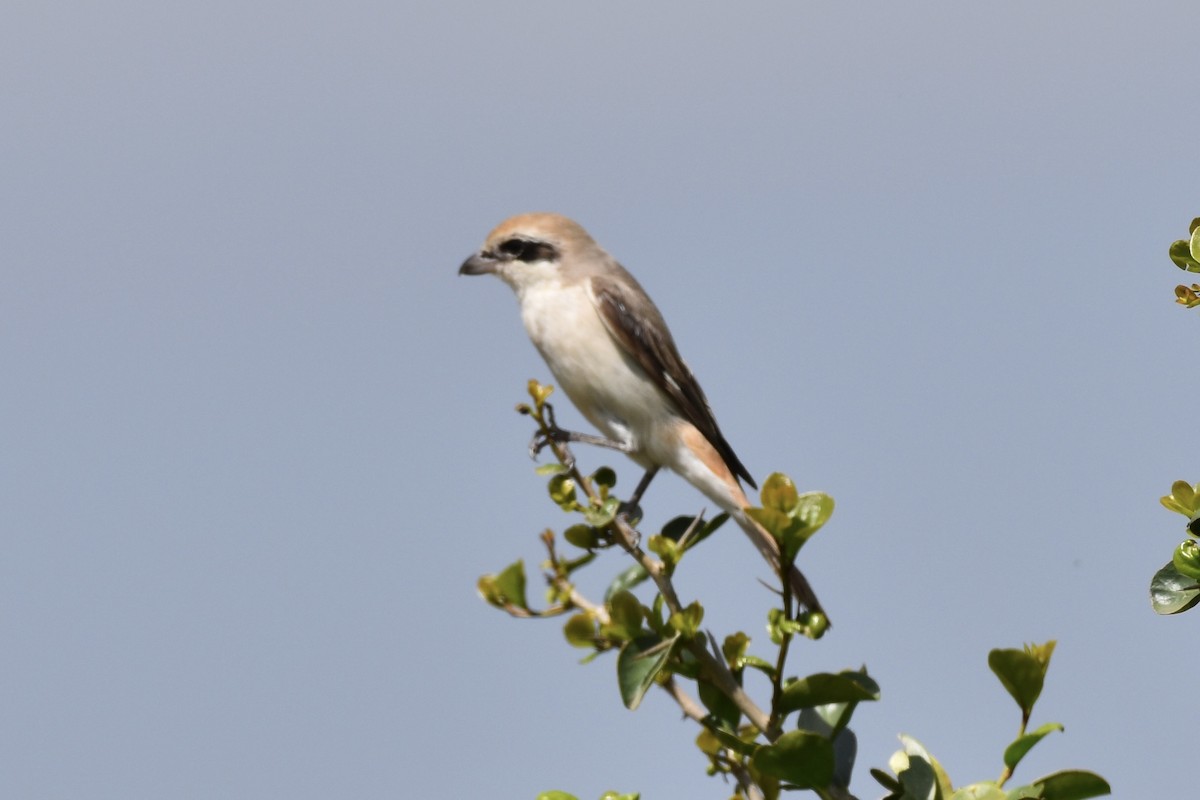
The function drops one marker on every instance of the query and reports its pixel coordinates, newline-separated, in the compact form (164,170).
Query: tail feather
(769,548)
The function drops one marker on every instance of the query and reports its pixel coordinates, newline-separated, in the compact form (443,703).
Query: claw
(543,439)
(623,517)
(630,512)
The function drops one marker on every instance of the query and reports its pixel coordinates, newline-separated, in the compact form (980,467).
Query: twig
(781,660)
(696,712)
(715,668)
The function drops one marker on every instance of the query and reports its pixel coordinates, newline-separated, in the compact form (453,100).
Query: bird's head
(531,249)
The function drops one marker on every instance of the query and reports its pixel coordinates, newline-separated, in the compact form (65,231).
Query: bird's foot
(624,521)
(631,512)
(553,436)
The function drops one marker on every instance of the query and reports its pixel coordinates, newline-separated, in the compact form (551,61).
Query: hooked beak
(477,265)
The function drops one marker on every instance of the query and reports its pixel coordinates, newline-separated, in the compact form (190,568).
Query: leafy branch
(800,739)
(1186,255)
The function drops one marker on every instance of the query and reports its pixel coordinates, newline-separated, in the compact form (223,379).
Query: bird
(611,352)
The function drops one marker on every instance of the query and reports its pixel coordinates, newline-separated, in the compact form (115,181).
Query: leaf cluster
(1186,255)
(1176,587)
(798,737)
(917,775)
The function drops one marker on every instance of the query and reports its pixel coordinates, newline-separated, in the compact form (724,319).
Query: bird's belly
(603,382)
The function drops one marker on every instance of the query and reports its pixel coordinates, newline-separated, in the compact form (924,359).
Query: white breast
(608,387)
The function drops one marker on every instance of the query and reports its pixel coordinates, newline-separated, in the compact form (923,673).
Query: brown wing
(635,322)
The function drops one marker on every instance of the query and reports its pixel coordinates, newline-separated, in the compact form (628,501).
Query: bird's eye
(514,248)
(527,250)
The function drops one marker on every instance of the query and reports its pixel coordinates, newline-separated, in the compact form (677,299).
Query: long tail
(699,463)
(769,548)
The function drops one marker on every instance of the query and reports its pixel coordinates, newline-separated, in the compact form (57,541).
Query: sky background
(257,439)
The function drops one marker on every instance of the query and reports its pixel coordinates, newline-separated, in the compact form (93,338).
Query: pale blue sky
(257,439)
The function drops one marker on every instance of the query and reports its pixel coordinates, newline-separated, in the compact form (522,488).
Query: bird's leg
(643,484)
(551,433)
(630,508)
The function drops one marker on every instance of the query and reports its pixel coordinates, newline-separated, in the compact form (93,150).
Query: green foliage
(798,737)
(790,517)
(1023,744)
(1022,673)
(506,589)
(1176,587)
(641,663)
(1186,255)
(686,532)
(801,758)
(824,689)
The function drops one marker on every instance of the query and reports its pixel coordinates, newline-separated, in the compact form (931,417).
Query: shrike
(610,350)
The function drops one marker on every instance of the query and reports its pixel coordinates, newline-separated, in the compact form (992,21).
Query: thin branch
(716,668)
(696,712)
(781,659)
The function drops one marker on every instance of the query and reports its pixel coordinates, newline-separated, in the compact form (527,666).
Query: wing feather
(636,324)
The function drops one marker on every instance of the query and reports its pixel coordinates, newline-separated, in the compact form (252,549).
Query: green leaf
(719,704)
(920,773)
(664,548)
(626,614)
(1023,744)
(760,664)
(734,649)
(779,493)
(601,515)
(708,530)
(1181,254)
(885,780)
(539,392)
(837,715)
(845,751)
(638,664)
(626,579)
(1182,499)
(824,687)
(788,531)
(985,790)
(1172,592)
(506,588)
(678,526)
(655,618)
(556,795)
(801,758)
(845,743)
(684,663)
(562,492)
(1194,245)
(775,522)
(1071,784)
(605,477)
(1186,559)
(736,743)
(687,622)
(708,743)
(1022,672)
(585,537)
(580,630)
(814,509)
(550,469)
